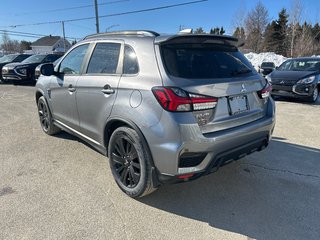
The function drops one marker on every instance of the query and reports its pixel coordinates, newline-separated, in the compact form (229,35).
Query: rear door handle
(71,88)
(107,89)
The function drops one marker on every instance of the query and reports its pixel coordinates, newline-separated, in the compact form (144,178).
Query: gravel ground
(59,188)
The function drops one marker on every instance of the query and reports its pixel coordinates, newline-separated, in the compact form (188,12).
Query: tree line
(13,46)
(287,35)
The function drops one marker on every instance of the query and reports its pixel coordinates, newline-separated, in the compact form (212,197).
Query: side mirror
(47,69)
(276,68)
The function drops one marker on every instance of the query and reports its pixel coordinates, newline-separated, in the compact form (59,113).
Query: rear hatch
(211,67)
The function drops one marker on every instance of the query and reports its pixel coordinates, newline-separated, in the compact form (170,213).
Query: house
(50,44)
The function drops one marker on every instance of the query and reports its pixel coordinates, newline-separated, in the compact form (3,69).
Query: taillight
(177,100)
(265,92)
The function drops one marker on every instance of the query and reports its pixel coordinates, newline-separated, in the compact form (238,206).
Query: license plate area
(238,104)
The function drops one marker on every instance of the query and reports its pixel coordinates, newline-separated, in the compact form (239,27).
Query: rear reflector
(265,92)
(185,176)
(177,100)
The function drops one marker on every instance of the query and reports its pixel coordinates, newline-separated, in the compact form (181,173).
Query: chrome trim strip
(78,133)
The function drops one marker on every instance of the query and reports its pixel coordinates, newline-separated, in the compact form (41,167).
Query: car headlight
(307,80)
(268,78)
(22,71)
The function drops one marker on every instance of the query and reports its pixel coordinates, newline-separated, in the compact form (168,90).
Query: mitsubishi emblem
(243,89)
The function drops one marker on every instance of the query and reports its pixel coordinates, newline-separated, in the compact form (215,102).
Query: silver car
(163,108)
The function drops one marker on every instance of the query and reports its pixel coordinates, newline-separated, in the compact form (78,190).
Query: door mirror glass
(47,69)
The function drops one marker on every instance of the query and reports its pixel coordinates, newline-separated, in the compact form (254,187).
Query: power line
(69,8)
(30,35)
(111,15)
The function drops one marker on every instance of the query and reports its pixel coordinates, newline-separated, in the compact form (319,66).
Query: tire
(130,162)
(45,117)
(313,98)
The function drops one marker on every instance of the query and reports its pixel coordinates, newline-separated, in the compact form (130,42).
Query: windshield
(199,61)
(300,65)
(34,59)
(7,58)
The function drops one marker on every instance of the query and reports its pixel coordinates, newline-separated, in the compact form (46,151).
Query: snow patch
(257,58)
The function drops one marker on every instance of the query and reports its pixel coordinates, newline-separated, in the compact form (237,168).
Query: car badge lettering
(282,82)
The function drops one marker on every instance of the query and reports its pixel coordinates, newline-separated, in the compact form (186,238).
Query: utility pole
(97,15)
(64,37)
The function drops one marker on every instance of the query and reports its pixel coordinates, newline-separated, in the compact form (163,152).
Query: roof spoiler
(201,38)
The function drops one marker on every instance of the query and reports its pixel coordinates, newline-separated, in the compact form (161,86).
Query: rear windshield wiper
(241,71)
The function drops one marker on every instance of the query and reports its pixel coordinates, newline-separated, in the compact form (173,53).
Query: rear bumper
(217,147)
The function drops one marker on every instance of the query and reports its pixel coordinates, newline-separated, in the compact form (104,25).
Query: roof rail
(146,33)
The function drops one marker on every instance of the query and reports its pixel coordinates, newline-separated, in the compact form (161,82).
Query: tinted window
(71,64)
(204,61)
(21,58)
(105,58)
(130,63)
(300,65)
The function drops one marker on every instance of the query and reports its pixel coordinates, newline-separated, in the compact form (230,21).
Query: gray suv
(163,108)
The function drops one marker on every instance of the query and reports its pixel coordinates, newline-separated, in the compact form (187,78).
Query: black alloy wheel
(125,161)
(45,117)
(130,162)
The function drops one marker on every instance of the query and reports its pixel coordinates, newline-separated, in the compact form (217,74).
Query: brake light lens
(177,100)
(265,92)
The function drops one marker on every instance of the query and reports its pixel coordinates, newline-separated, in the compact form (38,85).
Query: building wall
(41,49)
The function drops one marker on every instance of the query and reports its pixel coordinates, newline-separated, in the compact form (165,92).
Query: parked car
(11,58)
(37,72)
(266,68)
(297,78)
(162,108)
(24,71)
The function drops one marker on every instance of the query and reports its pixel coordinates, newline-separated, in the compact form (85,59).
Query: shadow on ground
(273,194)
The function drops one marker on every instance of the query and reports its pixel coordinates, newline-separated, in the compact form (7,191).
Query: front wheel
(313,98)
(130,162)
(45,117)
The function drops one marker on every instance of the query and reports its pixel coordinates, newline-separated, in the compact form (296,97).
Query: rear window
(199,61)
(267,64)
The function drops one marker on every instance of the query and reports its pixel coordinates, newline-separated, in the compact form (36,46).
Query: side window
(130,63)
(71,64)
(105,58)
(21,58)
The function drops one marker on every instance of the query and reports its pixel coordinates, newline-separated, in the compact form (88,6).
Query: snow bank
(256,59)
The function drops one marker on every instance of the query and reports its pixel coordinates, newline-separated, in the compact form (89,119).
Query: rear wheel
(45,117)
(130,162)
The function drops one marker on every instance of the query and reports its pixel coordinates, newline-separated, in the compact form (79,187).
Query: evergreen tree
(280,35)
(199,30)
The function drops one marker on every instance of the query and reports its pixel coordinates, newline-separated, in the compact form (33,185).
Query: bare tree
(255,24)
(5,42)
(304,41)
(238,20)
(294,20)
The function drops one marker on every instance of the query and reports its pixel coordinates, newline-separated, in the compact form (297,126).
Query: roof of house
(46,41)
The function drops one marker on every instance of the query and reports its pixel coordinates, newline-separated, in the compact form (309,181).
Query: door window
(71,64)
(105,58)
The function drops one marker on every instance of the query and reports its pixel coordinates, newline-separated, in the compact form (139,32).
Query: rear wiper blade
(242,71)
